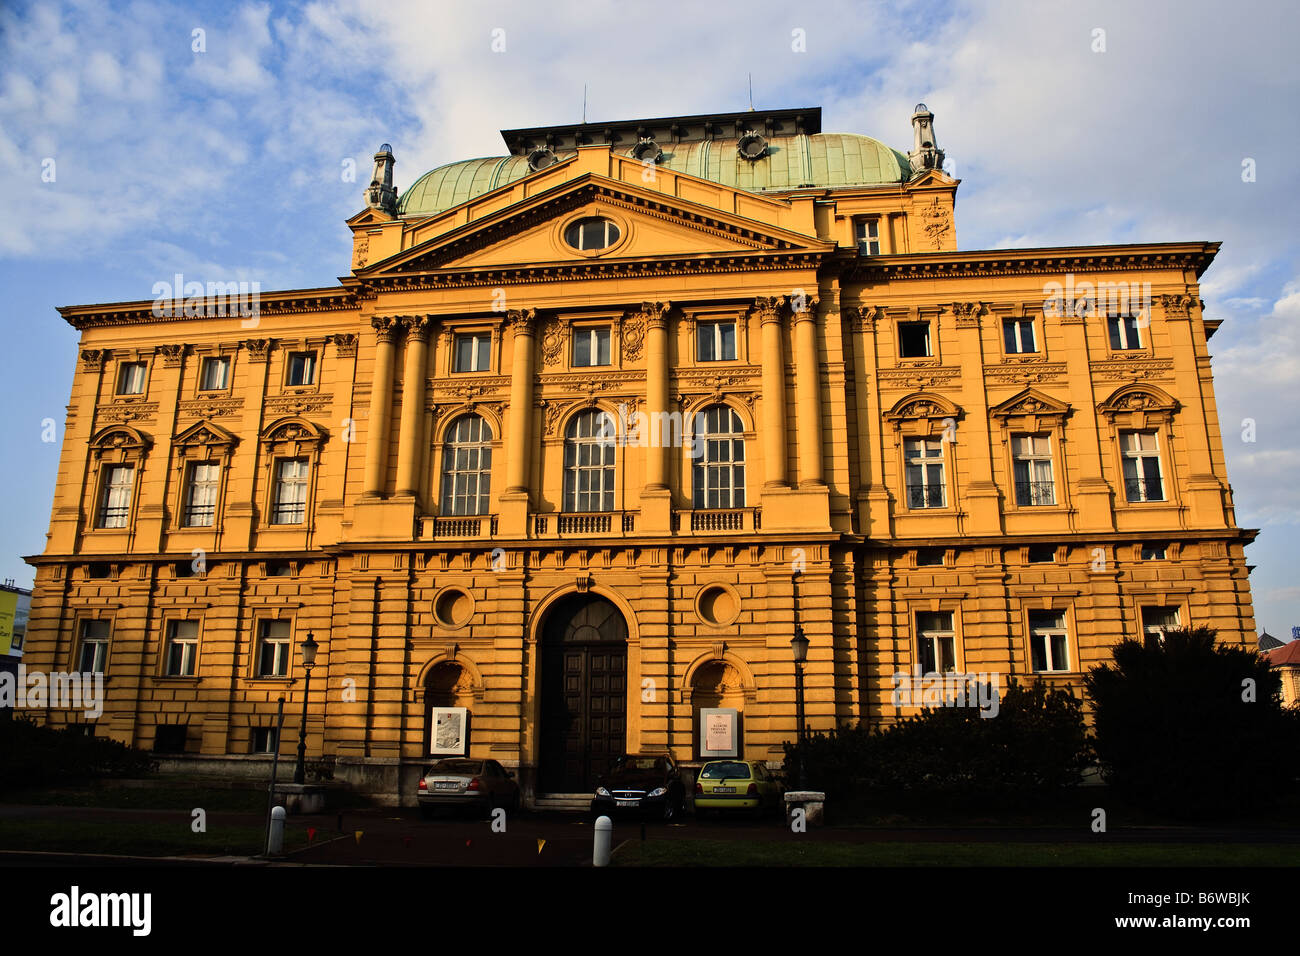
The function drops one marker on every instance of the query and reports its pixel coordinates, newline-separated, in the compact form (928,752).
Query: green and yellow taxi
(736,785)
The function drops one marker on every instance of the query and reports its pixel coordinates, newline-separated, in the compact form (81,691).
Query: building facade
(589,429)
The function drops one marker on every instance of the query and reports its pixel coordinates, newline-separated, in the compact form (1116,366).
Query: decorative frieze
(209,407)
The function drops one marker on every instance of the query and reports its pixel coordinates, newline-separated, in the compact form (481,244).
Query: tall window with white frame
(924,472)
(1156,621)
(92,654)
(937,642)
(200,509)
(719,450)
(130,379)
(115,497)
(590,347)
(867,233)
(716,341)
(289,501)
(215,374)
(273,646)
(1125,332)
(1141,458)
(1033,470)
(182,648)
(467,467)
(1018,335)
(473,352)
(589,462)
(1048,643)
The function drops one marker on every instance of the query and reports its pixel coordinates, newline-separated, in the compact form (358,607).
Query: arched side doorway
(583,693)
(716,684)
(447,684)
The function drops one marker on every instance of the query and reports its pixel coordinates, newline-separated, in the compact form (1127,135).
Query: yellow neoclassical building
(587,429)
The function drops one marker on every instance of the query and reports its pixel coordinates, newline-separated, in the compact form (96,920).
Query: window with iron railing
(1143,480)
(201,495)
(1033,470)
(290,503)
(115,499)
(924,473)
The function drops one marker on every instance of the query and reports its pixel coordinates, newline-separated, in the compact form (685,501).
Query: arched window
(467,467)
(719,452)
(589,462)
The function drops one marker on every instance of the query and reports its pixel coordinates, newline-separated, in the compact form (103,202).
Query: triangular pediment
(205,433)
(1030,402)
(651,225)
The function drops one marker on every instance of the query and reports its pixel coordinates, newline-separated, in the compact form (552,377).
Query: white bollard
(276,844)
(604,836)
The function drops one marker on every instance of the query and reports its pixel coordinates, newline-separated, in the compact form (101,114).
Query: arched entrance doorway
(584,693)
(448,684)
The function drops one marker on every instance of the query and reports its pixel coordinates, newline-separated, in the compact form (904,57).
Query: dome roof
(817,160)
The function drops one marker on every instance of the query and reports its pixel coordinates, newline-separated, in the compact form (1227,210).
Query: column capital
(655,314)
(864,317)
(522,321)
(809,311)
(417,326)
(968,314)
(769,308)
(386,327)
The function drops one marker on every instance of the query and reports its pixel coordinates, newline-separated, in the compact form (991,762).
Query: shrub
(1176,734)
(1037,744)
(37,756)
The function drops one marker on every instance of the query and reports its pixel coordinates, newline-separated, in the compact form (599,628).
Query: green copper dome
(817,160)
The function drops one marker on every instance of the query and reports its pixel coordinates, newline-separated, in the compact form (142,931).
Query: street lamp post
(799,645)
(309,647)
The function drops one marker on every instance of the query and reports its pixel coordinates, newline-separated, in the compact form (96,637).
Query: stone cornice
(1195,256)
(291,302)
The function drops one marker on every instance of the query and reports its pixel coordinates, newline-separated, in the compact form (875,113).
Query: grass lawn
(788,853)
(139,839)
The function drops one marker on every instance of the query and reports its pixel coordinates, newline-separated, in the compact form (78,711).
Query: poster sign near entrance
(719,732)
(449,731)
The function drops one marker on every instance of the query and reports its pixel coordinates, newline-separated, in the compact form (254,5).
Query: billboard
(14,606)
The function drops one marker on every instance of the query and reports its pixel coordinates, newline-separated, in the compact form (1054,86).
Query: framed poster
(449,731)
(719,732)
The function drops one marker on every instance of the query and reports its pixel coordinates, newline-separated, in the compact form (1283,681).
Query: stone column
(655,316)
(411,436)
(518,441)
(774,437)
(381,400)
(808,399)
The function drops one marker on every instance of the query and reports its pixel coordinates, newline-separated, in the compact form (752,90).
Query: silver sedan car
(467,782)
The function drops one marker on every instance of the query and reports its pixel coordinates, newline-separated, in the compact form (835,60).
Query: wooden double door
(584,693)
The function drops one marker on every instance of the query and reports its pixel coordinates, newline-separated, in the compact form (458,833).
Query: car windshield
(456,766)
(637,763)
(716,771)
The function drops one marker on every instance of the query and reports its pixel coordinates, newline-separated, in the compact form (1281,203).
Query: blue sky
(229,163)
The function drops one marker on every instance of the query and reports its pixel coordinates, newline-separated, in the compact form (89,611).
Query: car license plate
(446,785)
(628,803)
(724,789)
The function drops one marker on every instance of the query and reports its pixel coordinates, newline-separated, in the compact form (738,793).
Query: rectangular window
(924,467)
(115,498)
(273,649)
(170,738)
(130,380)
(302,368)
(867,234)
(215,375)
(1141,457)
(290,502)
(1156,621)
(1048,641)
(1033,470)
(263,740)
(201,495)
(182,648)
(1154,552)
(929,557)
(473,352)
(590,347)
(1018,335)
(937,642)
(914,339)
(92,655)
(716,341)
(1042,554)
(1124,333)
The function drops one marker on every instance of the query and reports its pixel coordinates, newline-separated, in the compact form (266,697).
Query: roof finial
(381,194)
(925,153)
